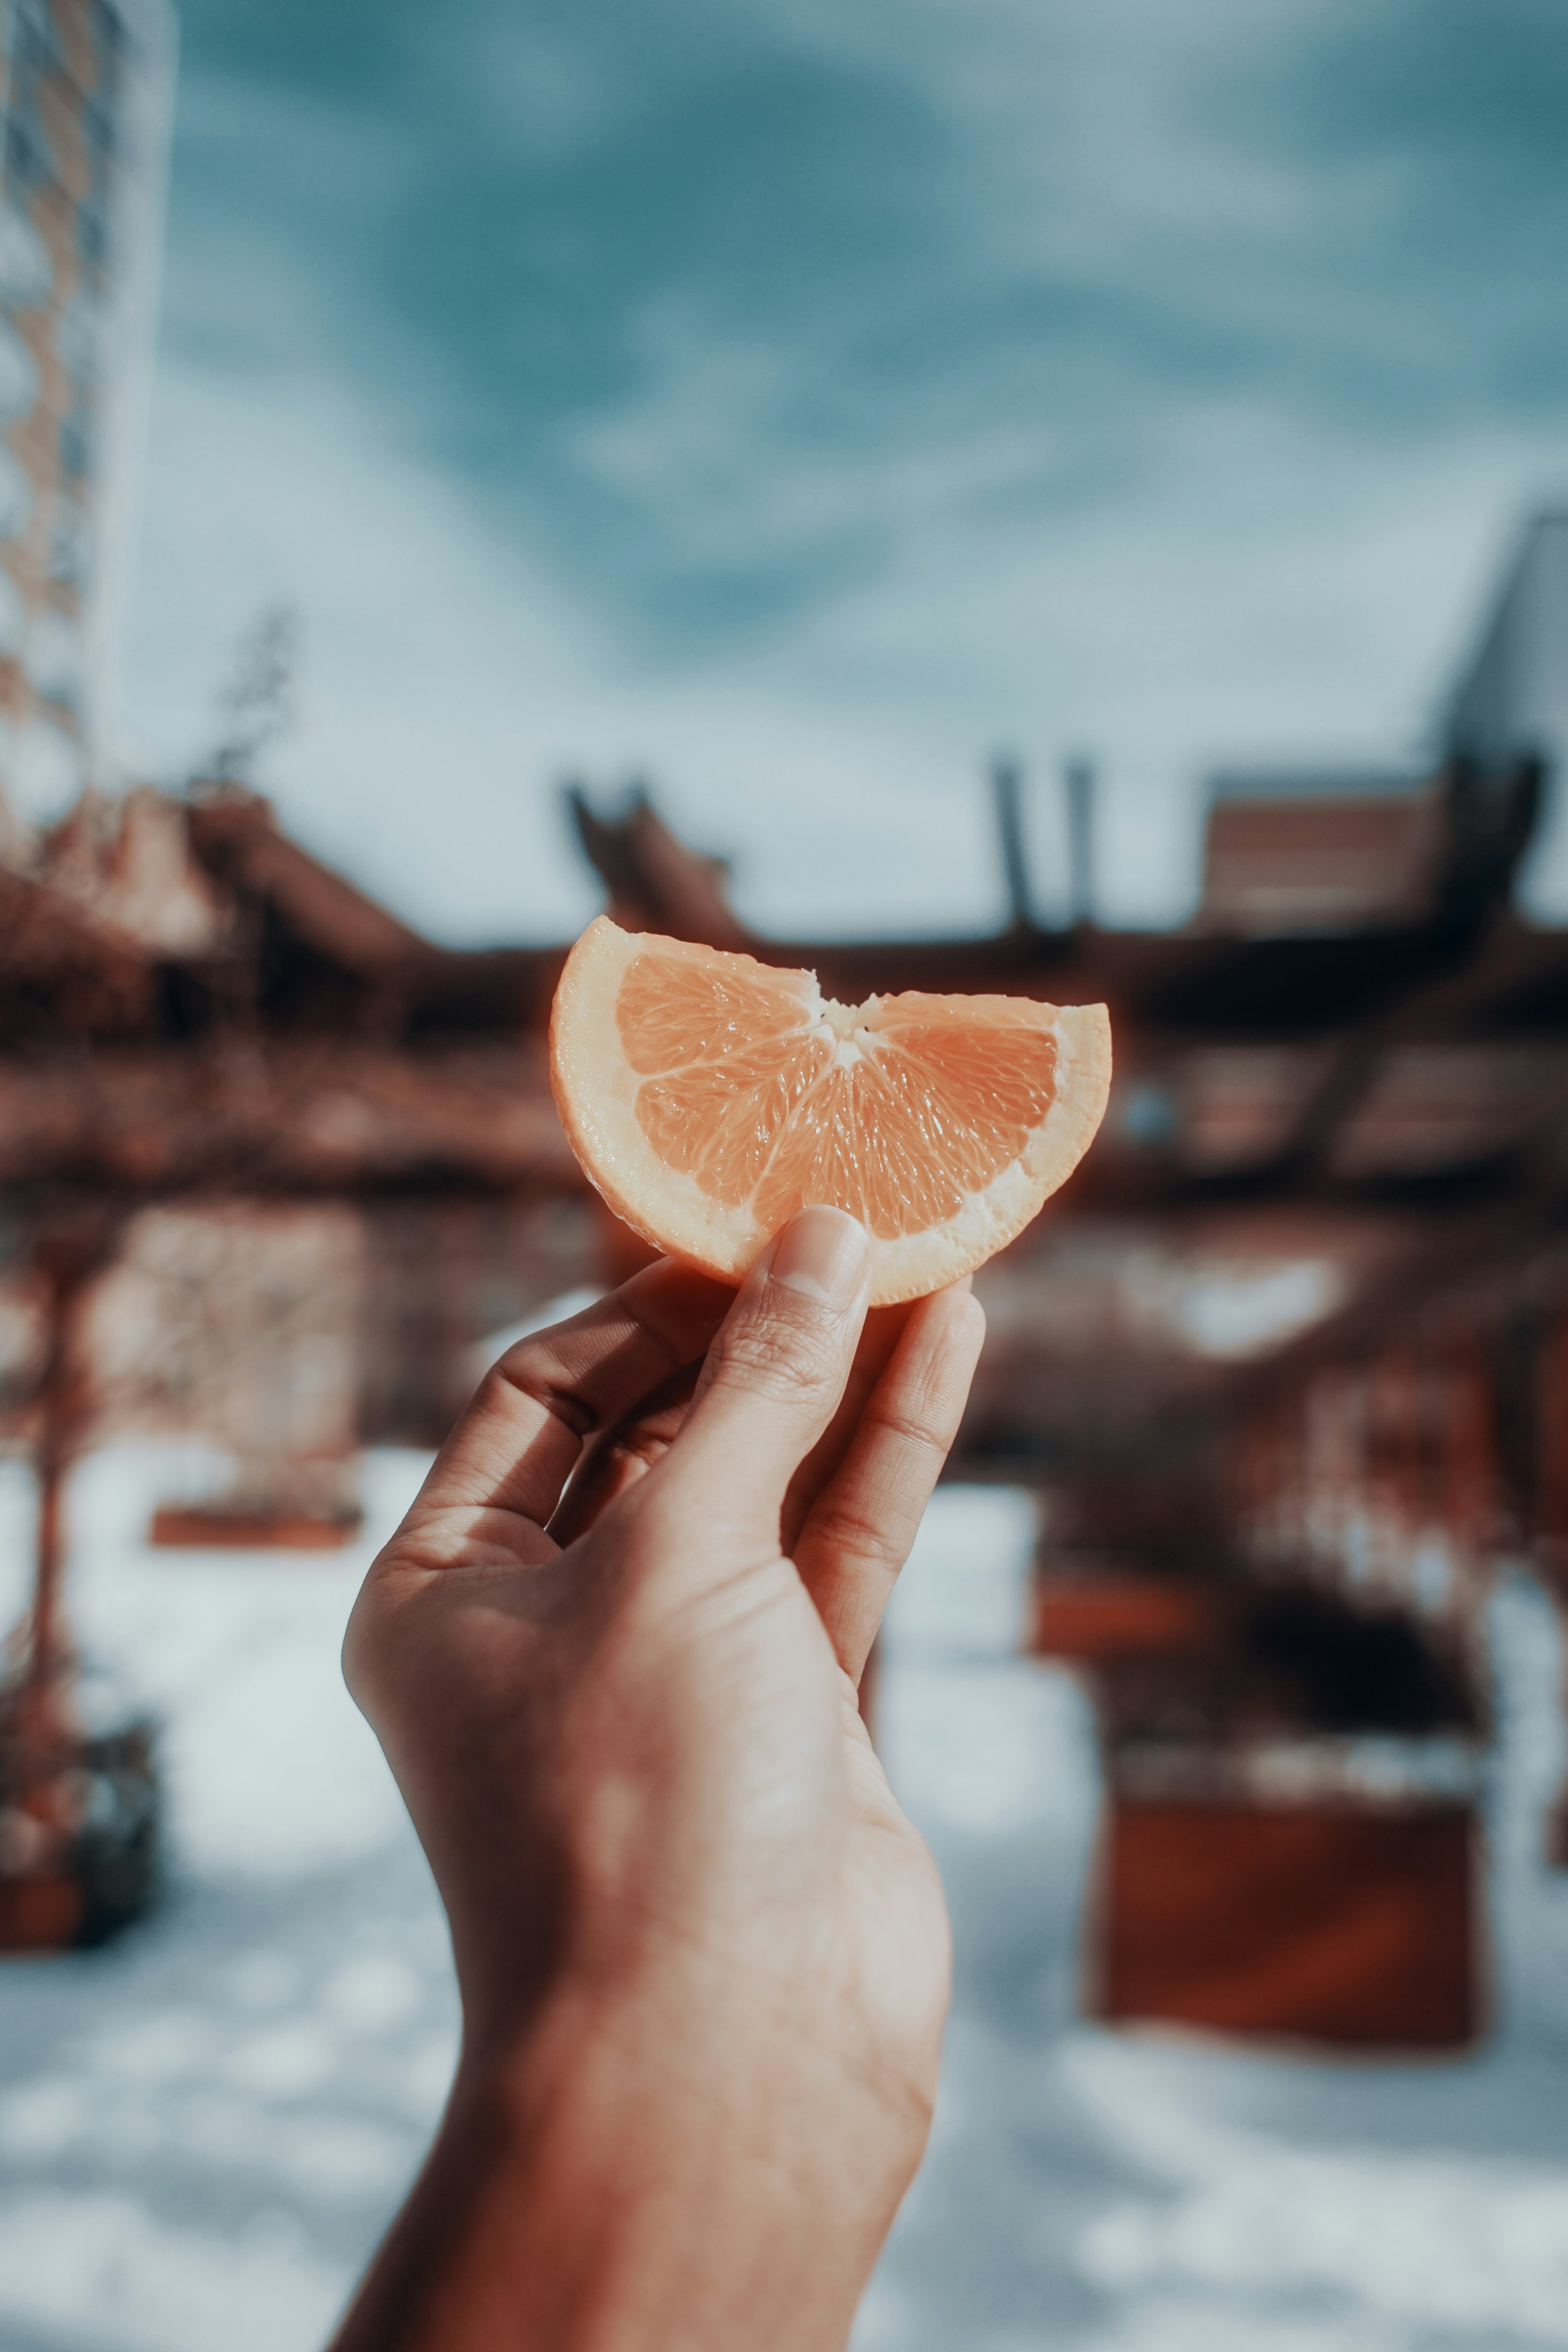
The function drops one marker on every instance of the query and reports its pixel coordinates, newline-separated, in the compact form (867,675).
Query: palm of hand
(612,1656)
(659,1669)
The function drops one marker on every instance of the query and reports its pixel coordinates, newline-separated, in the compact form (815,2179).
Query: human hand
(704,1957)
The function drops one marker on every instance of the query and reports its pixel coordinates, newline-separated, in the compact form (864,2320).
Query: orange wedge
(710,1097)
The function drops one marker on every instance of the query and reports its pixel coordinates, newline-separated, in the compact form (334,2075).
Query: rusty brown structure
(1285,1364)
(200,1023)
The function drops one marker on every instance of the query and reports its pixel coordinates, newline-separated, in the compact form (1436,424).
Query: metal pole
(1007,791)
(1078,776)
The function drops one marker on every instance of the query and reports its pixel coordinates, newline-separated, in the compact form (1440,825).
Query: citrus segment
(710,1097)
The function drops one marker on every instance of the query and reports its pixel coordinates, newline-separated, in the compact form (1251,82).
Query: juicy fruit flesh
(763,1092)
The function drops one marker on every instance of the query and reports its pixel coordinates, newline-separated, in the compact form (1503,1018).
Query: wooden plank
(1335,1923)
(1094,1621)
(39,1914)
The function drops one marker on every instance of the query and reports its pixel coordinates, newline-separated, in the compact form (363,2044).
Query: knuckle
(374,1654)
(530,1376)
(783,1358)
(916,1426)
(642,1447)
(857,1538)
(361,1655)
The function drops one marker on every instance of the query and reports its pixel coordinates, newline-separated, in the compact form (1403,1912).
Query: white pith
(670,1209)
(845,1025)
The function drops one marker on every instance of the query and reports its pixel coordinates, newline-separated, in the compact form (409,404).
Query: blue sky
(791,403)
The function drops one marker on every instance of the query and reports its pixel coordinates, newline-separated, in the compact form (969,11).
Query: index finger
(515,1445)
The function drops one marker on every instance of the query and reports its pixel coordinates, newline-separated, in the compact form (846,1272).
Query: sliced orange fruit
(710,1097)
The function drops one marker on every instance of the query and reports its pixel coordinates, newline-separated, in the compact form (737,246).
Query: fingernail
(823,1253)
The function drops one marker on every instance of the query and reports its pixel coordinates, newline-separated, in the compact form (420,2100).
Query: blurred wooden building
(204,1032)
(1285,1365)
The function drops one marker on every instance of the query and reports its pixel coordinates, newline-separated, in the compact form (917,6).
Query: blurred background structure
(1282,1368)
(554,394)
(88,92)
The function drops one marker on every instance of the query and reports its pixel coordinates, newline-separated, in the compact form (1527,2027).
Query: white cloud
(1162,572)
(1269,594)
(448,688)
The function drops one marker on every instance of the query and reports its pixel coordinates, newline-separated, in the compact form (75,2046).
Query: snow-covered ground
(204,2129)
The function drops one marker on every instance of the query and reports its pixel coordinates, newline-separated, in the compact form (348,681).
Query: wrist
(669,2170)
(698,2170)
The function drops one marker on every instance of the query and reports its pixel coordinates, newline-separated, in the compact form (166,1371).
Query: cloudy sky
(793,401)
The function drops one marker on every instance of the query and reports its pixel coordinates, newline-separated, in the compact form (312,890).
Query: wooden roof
(1322,864)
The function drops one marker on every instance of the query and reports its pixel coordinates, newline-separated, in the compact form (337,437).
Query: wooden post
(70,1255)
(1079,780)
(1007,793)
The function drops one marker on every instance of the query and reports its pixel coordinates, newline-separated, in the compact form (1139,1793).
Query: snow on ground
(1091,2191)
(204,2129)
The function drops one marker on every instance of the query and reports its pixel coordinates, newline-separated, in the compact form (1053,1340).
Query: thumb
(776,1373)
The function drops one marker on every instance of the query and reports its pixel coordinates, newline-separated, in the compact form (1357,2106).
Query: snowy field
(204,2129)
